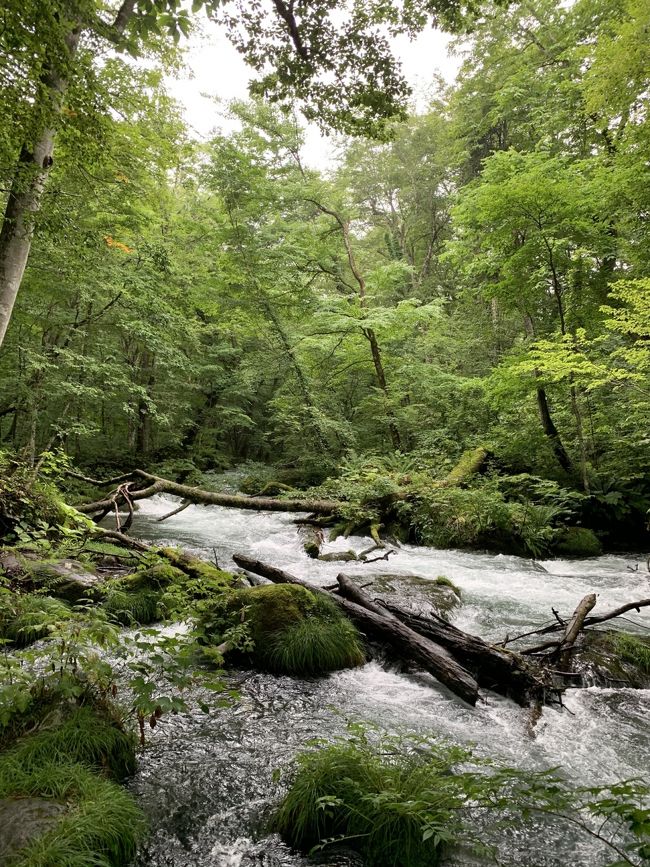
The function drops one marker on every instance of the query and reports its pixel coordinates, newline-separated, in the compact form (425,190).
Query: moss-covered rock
(284,628)
(57,804)
(23,821)
(614,659)
(435,595)
(577,542)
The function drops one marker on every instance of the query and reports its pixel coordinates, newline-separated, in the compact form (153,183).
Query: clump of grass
(443,581)
(398,809)
(632,649)
(68,763)
(28,617)
(101,828)
(315,645)
(85,737)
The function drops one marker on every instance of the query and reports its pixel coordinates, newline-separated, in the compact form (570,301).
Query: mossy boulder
(614,659)
(284,628)
(23,821)
(577,542)
(438,595)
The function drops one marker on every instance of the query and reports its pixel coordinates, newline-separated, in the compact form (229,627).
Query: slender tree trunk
(368,333)
(28,187)
(545,417)
(34,164)
(300,376)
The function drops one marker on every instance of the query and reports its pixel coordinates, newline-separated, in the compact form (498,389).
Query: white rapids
(207,781)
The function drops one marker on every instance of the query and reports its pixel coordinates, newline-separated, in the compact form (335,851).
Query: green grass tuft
(381,803)
(315,646)
(101,829)
(28,618)
(85,737)
(632,649)
(129,607)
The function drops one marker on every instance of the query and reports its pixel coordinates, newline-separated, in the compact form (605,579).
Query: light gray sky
(218,74)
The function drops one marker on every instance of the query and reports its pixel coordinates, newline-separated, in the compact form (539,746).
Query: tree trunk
(32,171)
(156,485)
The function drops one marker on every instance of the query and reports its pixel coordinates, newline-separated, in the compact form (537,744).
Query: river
(208,781)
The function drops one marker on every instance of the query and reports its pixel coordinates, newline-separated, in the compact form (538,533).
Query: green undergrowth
(468,505)
(286,629)
(632,649)
(81,736)
(73,755)
(25,618)
(102,824)
(408,801)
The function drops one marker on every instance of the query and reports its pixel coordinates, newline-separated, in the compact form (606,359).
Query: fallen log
(386,627)
(139,485)
(496,669)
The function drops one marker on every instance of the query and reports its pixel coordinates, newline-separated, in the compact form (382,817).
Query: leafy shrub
(404,802)
(27,505)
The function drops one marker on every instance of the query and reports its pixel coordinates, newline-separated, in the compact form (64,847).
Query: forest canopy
(473,275)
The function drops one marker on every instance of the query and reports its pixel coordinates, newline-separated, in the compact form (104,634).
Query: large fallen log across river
(138,485)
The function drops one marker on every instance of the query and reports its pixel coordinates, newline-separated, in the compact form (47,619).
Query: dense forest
(441,339)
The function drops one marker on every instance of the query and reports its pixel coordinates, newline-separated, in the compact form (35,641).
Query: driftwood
(138,485)
(381,624)
(493,667)
(574,628)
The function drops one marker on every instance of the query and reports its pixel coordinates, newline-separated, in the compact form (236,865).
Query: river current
(208,781)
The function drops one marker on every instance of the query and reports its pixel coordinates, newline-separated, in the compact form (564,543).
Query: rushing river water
(207,781)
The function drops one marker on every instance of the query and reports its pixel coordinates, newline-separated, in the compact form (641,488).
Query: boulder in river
(23,820)
(285,629)
(436,595)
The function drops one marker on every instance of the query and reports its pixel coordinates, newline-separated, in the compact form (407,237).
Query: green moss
(291,629)
(578,542)
(156,577)
(27,618)
(469,464)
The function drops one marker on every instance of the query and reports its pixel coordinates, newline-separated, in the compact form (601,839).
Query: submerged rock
(23,820)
